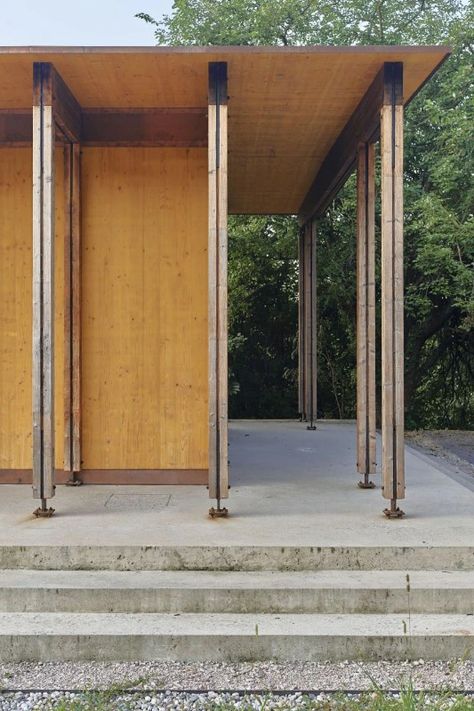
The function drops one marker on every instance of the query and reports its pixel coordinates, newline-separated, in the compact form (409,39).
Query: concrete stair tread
(20,624)
(240,580)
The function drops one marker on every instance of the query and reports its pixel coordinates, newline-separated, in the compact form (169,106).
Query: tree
(439,221)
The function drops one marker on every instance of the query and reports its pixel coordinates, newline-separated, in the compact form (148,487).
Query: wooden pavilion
(118,169)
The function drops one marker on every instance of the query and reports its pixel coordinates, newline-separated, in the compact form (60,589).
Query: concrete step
(234,558)
(325,591)
(232,637)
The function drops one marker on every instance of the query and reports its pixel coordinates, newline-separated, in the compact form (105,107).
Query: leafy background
(439,223)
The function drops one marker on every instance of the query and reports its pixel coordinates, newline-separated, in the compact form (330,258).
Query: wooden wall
(144,312)
(144,348)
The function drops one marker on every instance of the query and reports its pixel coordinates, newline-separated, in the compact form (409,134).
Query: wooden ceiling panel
(287,106)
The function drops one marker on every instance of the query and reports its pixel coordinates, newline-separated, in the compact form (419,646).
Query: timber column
(72,314)
(366,427)
(301,322)
(217,254)
(307,325)
(43,287)
(391,142)
(56,114)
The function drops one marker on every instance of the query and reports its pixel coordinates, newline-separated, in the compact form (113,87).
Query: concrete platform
(305,568)
(291,488)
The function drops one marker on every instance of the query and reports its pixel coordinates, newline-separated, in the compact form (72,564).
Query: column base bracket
(43,513)
(366,484)
(73,481)
(394,512)
(218,512)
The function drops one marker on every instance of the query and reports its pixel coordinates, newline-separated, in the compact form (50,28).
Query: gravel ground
(246,676)
(224,701)
(453,446)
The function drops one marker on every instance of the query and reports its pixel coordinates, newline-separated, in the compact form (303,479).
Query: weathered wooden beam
(363,126)
(178,127)
(16,128)
(393,469)
(66,110)
(43,289)
(72,312)
(366,426)
(217,255)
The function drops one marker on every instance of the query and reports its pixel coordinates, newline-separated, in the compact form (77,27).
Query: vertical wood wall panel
(144,308)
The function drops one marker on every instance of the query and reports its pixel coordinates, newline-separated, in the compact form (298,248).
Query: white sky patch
(84,22)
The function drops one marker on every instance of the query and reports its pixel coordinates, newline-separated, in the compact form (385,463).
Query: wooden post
(366,428)
(310,340)
(391,142)
(307,321)
(54,110)
(43,287)
(301,329)
(217,248)
(72,314)
(307,324)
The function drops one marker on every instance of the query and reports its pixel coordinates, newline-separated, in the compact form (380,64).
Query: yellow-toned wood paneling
(16,307)
(144,308)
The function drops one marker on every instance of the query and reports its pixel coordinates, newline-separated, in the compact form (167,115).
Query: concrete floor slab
(290,488)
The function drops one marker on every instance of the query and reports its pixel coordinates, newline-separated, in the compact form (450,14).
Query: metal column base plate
(311,427)
(394,513)
(43,513)
(366,485)
(218,513)
(73,482)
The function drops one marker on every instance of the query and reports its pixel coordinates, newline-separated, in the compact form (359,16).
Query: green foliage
(263,284)
(286,22)
(439,221)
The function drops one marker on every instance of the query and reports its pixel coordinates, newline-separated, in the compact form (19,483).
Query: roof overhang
(287,106)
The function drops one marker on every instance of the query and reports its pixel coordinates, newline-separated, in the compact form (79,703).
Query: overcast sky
(78,22)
